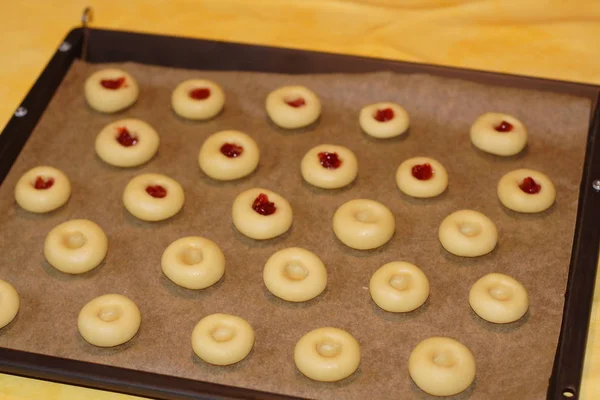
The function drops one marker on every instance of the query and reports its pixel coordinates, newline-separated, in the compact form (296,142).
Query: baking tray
(117,46)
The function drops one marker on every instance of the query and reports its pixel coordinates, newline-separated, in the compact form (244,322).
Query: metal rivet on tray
(65,46)
(21,112)
(596,185)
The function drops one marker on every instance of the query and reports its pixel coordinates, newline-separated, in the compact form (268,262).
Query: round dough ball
(222,339)
(293,107)
(9,303)
(422,177)
(198,99)
(110,90)
(499,298)
(109,320)
(193,262)
(399,287)
(329,167)
(384,120)
(442,366)
(76,246)
(228,155)
(363,224)
(526,191)
(153,197)
(127,143)
(42,189)
(499,134)
(295,274)
(468,233)
(327,354)
(261,214)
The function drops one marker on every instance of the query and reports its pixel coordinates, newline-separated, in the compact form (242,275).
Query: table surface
(545,38)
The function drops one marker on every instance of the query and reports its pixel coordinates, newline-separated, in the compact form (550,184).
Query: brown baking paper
(513,361)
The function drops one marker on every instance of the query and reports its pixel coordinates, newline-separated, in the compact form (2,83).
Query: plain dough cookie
(261,214)
(384,120)
(295,274)
(468,233)
(442,366)
(499,134)
(109,320)
(193,262)
(198,99)
(422,177)
(526,191)
(329,167)
(42,189)
(110,90)
(292,107)
(222,339)
(399,287)
(76,246)
(363,224)
(153,197)
(127,143)
(228,155)
(327,354)
(499,298)
(9,303)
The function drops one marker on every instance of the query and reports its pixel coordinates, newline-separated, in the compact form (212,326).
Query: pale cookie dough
(261,214)
(399,287)
(76,246)
(526,191)
(193,262)
(499,134)
(329,167)
(109,320)
(295,274)
(422,177)
(198,99)
(9,303)
(468,233)
(153,197)
(110,90)
(222,339)
(327,354)
(384,120)
(228,155)
(292,107)
(127,143)
(42,189)
(363,224)
(441,366)
(499,298)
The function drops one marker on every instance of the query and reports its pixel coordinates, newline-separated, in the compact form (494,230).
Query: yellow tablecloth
(547,38)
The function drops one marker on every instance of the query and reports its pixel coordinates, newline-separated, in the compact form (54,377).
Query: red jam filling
(504,127)
(299,102)
(384,115)
(113,84)
(232,150)
(41,183)
(125,138)
(156,191)
(422,172)
(329,160)
(530,186)
(200,93)
(263,206)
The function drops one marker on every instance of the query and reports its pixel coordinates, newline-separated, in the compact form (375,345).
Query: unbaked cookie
(499,134)
(399,287)
(9,303)
(127,143)
(329,167)
(499,298)
(228,155)
(384,120)
(468,233)
(261,214)
(422,177)
(110,90)
(153,197)
(42,189)
(198,99)
(363,224)
(292,107)
(526,191)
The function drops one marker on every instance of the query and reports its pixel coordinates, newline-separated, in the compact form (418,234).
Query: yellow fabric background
(547,38)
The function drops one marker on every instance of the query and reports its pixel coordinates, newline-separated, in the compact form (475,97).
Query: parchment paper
(513,361)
